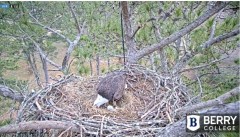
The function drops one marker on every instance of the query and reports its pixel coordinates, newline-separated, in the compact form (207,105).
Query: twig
(101,128)
(38,106)
(202,66)
(64,131)
(50,29)
(200,85)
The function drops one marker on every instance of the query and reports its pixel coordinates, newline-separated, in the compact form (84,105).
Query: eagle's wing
(118,95)
(120,86)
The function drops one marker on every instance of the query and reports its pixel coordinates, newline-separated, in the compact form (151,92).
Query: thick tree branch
(36,125)
(218,101)
(71,48)
(182,32)
(187,57)
(178,129)
(10,93)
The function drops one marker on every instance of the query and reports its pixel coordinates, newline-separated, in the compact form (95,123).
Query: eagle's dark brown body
(112,86)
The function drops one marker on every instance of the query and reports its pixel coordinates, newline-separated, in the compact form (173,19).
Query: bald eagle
(110,88)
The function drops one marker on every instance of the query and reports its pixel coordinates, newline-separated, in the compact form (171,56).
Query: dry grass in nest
(148,103)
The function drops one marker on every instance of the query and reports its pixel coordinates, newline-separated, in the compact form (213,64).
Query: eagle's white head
(100,101)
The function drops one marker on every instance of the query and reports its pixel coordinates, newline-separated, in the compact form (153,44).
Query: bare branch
(221,38)
(74,16)
(36,125)
(135,32)
(40,50)
(182,32)
(141,26)
(71,47)
(214,25)
(43,54)
(218,101)
(187,57)
(202,66)
(50,29)
(10,93)
(44,67)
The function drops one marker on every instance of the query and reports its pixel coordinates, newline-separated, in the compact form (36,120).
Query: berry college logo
(193,122)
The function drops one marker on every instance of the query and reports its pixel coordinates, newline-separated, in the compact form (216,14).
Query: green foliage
(228,24)
(237,61)
(5,122)
(103,70)
(9,57)
(216,84)
(209,23)
(178,12)
(83,70)
(225,134)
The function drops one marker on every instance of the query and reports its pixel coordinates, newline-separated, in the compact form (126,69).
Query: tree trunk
(44,66)
(129,41)
(34,68)
(98,64)
(91,68)
(108,62)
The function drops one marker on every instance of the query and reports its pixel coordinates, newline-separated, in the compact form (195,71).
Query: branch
(37,125)
(220,38)
(202,66)
(71,47)
(185,59)
(135,32)
(43,54)
(218,101)
(182,32)
(50,29)
(39,49)
(140,26)
(10,93)
(214,25)
(74,16)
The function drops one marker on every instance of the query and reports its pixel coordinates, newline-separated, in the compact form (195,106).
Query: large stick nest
(149,102)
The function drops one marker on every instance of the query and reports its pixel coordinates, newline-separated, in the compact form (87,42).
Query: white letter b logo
(193,122)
